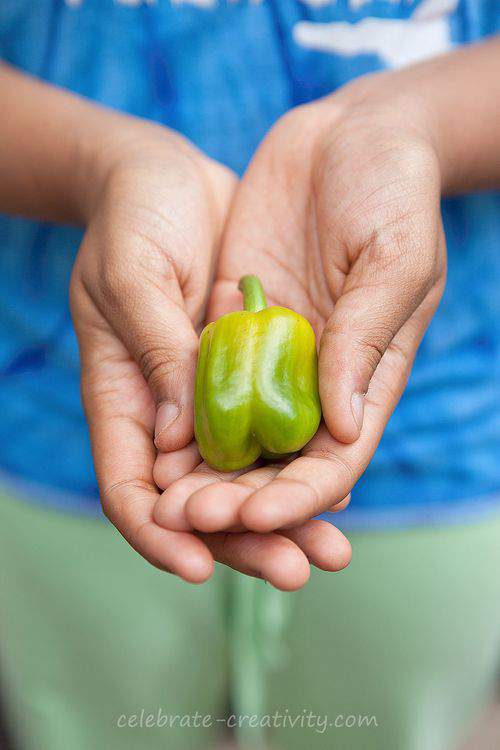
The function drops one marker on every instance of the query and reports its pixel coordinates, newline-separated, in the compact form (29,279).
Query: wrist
(116,142)
(451,101)
(387,102)
(129,145)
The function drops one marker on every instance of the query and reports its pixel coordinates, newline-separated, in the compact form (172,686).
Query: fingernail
(165,416)
(357,408)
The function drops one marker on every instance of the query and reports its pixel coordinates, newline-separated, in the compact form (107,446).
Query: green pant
(398,652)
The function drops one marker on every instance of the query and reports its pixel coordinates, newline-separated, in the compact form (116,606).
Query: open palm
(339,215)
(139,289)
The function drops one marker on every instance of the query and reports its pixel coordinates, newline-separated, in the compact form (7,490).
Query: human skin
(340,205)
(154,208)
(340,213)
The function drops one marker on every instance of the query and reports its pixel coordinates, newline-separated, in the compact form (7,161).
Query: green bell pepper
(256,391)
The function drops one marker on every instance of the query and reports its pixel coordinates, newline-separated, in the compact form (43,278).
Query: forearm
(455,101)
(55,149)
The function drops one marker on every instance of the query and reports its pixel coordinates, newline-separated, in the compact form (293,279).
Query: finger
(323,544)
(169,467)
(328,469)
(342,505)
(261,235)
(149,319)
(120,430)
(170,508)
(216,506)
(271,557)
(386,285)
(159,334)
(129,506)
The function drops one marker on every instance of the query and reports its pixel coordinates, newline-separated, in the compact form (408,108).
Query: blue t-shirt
(222,73)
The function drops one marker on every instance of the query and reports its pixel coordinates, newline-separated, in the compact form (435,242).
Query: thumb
(150,319)
(160,336)
(365,321)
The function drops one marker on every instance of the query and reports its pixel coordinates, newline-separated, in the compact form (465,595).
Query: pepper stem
(254,298)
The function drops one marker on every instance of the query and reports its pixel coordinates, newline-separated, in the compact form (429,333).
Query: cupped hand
(339,215)
(138,292)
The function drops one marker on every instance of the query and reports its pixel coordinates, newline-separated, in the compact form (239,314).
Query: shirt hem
(34,493)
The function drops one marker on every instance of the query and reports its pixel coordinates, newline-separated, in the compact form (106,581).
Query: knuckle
(127,487)
(160,362)
(119,501)
(380,250)
(386,245)
(369,345)
(345,468)
(394,256)
(156,363)
(400,354)
(371,352)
